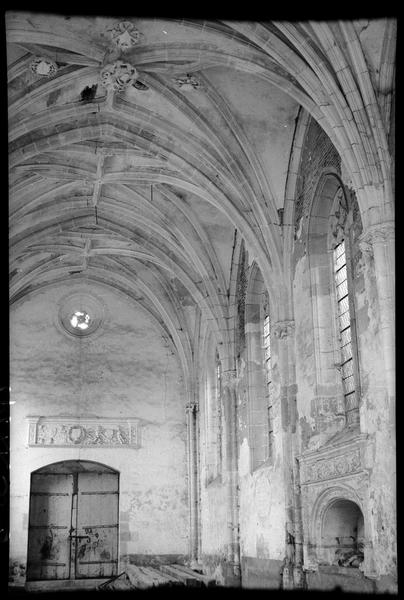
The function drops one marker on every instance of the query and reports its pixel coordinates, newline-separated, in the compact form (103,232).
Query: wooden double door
(73,525)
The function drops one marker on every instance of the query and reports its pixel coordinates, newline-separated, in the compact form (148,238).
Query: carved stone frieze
(118,76)
(43,66)
(340,456)
(283,329)
(68,432)
(124,35)
(331,468)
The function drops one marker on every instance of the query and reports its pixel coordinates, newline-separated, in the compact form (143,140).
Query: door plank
(97,521)
(48,536)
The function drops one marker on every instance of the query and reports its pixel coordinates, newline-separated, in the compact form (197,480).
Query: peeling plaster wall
(169,173)
(213,498)
(262,514)
(376,422)
(305,360)
(123,370)
(261,496)
(214,518)
(261,493)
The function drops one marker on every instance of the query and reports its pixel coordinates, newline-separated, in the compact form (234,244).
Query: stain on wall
(125,370)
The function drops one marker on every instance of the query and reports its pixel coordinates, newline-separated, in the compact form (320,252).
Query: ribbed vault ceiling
(143,189)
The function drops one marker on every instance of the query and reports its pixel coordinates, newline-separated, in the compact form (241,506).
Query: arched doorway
(73,522)
(343,534)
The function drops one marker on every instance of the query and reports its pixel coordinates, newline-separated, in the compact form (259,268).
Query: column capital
(283,329)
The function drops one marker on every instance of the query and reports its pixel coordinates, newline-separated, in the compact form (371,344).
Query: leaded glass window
(268,376)
(344,321)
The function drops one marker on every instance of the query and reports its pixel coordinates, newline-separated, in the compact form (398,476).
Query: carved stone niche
(67,432)
(334,486)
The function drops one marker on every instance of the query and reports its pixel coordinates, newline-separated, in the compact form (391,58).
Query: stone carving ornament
(44,67)
(187,82)
(283,329)
(124,35)
(339,217)
(333,467)
(118,76)
(66,432)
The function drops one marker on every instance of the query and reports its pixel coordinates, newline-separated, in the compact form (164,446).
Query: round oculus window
(80,314)
(80,320)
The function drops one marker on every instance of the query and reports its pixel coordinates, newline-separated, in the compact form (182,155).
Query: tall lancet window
(344,321)
(268,378)
(345,306)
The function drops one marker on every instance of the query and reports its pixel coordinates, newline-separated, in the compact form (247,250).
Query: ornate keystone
(124,35)
(187,82)
(44,67)
(118,76)
(282,329)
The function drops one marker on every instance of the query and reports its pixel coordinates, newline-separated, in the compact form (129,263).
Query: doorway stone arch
(349,502)
(346,499)
(73,522)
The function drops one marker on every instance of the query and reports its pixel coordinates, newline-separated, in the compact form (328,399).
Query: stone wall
(261,485)
(122,371)
(319,457)
(260,526)
(371,484)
